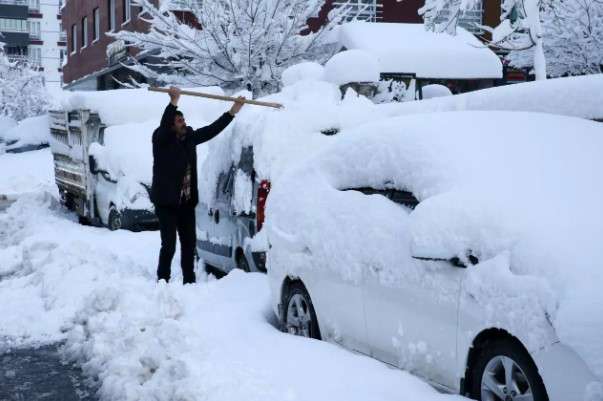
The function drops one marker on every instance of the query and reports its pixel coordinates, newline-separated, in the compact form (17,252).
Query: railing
(469,19)
(184,5)
(63,36)
(34,35)
(365,10)
(14,2)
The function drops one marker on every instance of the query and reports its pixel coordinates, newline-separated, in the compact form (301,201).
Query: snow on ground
(143,340)
(27,172)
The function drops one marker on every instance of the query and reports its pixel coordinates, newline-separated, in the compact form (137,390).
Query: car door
(411,308)
(223,228)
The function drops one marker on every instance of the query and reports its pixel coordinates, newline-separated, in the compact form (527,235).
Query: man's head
(179,126)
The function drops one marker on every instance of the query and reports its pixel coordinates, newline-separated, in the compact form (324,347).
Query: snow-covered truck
(89,184)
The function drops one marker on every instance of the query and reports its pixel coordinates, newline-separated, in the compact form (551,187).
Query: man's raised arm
(167,120)
(211,131)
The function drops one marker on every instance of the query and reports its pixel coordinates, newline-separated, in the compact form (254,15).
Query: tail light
(263,191)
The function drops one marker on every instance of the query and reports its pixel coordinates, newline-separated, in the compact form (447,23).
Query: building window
(73,38)
(34,29)
(127,10)
(35,56)
(34,5)
(13,25)
(96,20)
(471,19)
(84,32)
(111,15)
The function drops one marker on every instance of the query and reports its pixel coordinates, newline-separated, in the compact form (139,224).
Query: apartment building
(31,31)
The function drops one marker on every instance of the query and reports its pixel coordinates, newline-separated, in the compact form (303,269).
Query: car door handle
(210,212)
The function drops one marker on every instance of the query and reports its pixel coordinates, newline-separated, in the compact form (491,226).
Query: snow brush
(219,97)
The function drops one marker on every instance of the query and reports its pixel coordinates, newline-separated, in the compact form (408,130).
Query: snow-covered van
(242,164)
(89,182)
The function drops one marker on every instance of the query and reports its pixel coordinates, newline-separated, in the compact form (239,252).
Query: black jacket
(171,155)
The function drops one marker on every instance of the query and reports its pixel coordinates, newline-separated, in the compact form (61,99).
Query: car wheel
(115,222)
(504,371)
(299,315)
(243,264)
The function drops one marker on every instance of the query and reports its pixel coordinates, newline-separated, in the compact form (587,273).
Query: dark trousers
(182,221)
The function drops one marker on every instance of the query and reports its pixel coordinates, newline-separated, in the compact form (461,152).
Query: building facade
(94,58)
(31,31)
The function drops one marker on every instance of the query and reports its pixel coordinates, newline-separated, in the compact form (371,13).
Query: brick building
(94,57)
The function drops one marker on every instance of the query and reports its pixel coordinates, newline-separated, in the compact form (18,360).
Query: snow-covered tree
(520,27)
(22,91)
(237,44)
(573,38)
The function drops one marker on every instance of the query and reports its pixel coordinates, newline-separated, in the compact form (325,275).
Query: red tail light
(263,191)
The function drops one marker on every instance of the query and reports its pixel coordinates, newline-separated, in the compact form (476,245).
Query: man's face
(179,125)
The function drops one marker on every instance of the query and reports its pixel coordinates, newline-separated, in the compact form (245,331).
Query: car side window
(404,198)
(225,185)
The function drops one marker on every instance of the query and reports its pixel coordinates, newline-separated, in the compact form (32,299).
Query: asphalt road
(32,374)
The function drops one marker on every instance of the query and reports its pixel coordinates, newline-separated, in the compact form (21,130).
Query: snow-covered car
(97,173)
(470,256)
(101,143)
(29,134)
(260,145)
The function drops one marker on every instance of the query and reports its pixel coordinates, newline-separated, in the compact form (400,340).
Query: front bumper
(566,376)
(139,220)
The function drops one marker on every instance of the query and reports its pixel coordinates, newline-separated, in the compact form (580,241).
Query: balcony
(14,2)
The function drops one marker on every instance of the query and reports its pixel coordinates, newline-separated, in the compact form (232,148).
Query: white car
(463,247)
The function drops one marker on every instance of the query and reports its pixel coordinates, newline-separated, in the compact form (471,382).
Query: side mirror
(92,164)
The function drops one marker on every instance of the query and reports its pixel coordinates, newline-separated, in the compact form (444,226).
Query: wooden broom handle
(219,97)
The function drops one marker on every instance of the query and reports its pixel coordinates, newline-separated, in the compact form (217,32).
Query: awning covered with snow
(410,49)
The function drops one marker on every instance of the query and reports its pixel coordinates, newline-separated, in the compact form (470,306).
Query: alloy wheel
(299,317)
(504,380)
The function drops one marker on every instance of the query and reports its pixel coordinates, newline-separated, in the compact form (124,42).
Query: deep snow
(143,340)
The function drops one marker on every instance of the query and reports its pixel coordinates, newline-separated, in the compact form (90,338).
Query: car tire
(243,264)
(490,379)
(299,317)
(115,220)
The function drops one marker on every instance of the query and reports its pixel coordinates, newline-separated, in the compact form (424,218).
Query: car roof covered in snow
(411,49)
(570,96)
(127,106)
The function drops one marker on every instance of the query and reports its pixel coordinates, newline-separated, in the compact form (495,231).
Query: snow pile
(308,70)
(126,106)
(140,340)
(352,66)
(6,123)
(30,131)
(26,172)
(522,189)
(431,91)
(282,138)
(573,96)
(411,49)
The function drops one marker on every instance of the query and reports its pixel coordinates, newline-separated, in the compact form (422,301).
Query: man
(174,190)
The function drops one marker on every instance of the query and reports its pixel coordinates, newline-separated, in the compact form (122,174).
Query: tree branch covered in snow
(22,91)
(573,38)
(243,44)
(520,27)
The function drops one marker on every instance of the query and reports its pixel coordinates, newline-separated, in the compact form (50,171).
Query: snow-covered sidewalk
(146,341)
